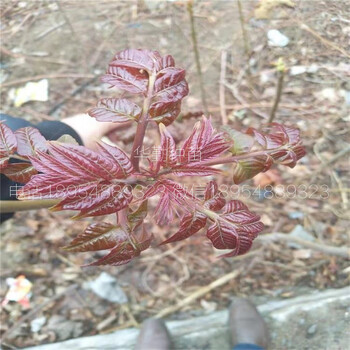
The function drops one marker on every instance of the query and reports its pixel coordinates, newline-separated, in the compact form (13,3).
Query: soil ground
(58,40)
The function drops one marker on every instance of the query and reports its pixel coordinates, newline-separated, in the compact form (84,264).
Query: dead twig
(279,236)
(222,88)
(203,290)
(197,56)
(48,31)
(244,32)
(334,175)
(323,40)
(240,99)
(332,160)
(280,72)
(47,76)
(34,58)
(67,20)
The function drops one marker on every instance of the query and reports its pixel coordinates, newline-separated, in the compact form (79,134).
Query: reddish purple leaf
(85,180)
(214,199)
(126,251)
(116,155)
(165,112)
(169,89)
(190,224)
(277,144)
(29,141)
(102,199)
(170,78)
(204,143)
(116,110)
(137,217)
(8,144)
(128,79)
(248,168)
(97,236)
(167,61)
(171,195)
(146,72)
(139,59)
(235,229)
(19,172)
(223,235)
(168,156)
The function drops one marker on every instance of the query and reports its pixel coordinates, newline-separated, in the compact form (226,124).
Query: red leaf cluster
(25,142)
(204,143)
(258,151)
(234,226)
(235,229)
(85,180)
(124,244)
(171,195)
(143,72)
(102,182)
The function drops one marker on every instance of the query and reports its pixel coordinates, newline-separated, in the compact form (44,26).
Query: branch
(197,56)
(244,32)
(222,88)
(13,206)
(47,76)
(142,125)
(280,72)
(278,236)
(206,289)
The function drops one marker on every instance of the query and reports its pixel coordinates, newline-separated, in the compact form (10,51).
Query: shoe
(246,324)
(153,336)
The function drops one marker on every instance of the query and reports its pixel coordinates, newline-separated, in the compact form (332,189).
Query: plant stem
(142,125)
(278,95)
(222,88)
(197,57)
(218,161)
(244,32)
(13,206)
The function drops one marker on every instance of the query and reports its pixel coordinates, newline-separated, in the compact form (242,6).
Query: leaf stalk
(142,125)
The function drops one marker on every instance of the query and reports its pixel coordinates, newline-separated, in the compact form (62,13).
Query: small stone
(300,232)
(65,329)
(37,324)
(302,321)
(296,70)
(106,287)
(296,215)
(276,38)
(312,329)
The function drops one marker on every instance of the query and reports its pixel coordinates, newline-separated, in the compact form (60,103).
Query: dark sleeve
(51,130)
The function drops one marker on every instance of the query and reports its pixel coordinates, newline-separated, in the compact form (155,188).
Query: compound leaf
(126,251)
(116,110)
(203,143)
(276,144)
(19,172)
(190,224)
(168,157)
(85,180)
(235,229)
(129,79)
(29,141)
(97,236)
(8,144)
